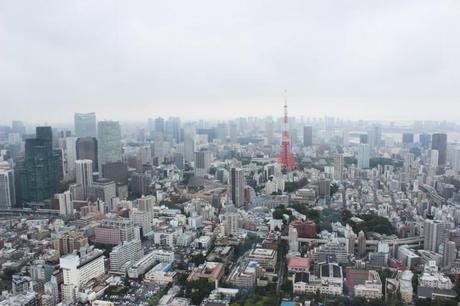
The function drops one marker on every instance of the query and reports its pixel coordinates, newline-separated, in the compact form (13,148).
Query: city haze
(380,60)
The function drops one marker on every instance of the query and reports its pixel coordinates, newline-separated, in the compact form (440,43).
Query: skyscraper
(189,145)
(65,203)
(307,136)
(236,186)
(109,142)
(84,174)
(87,149)
(407,138)
(70,156)
(7,191)
(361,243)
(338,167)
(434,234)
(42,170)
(85,125)
(439,142)
(202,162)
(159,126)
(363,156)
(425,140)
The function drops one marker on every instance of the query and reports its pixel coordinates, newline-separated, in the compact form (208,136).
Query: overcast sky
(129,60)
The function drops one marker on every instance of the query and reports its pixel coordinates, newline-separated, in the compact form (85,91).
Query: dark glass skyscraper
(42,168)
(439,142)
(87,149)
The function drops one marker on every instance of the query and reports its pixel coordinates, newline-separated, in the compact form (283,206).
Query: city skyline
(388,61)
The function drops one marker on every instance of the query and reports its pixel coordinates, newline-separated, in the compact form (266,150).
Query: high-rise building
(109,142)
(69,242)
(407,138)
(84,174)
(339,167)
(434,157)
(425,140)
(449,253)
(375,136)
(439,142)
(434,234)
(158,146)
(202,162)
(85,125)
(231,223)
(7,190)
(307,136)
(324,189)
(159,126)
(125,255)
(42,169)
(361,244)
(189,146)
(236,186)
(78,270)
(65,203)
(70,156)
(363,156)
(172,130)
(87,149)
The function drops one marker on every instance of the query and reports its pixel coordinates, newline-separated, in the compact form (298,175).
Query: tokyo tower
(285,155)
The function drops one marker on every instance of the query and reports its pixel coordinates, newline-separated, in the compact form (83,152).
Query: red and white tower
(285,155)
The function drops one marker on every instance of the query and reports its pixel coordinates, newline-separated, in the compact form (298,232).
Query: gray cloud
(215,59)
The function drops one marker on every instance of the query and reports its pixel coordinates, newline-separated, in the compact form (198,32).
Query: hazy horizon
(128,61)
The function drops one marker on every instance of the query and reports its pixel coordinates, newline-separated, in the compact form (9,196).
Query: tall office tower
(222,131)
(84,174)
(158,145)
(434,234)
(7,191)
(159,126)
(285,158)
(375,138)
(407,138)
(202,162)
(236,186)
(307,136)
(85,125)
(361,244)
(109,142)
(42,170)
(189,145)
(87,149)
(434,157)
(439,142)
(455,159)
(70,156)
(18,127)
(65,203)
(363,138)
(363,156)
(233,132)
(449,253)
(172,130)
(425,140)
(338,167)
